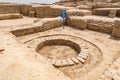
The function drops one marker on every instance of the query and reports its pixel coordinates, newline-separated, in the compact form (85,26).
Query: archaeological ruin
(34,45)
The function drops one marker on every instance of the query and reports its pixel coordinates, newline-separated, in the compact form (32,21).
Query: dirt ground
(18,59)
(57,52)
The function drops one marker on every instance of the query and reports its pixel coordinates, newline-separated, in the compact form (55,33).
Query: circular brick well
(58,49)
(72,55)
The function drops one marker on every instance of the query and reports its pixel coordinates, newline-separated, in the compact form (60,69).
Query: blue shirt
(63,14)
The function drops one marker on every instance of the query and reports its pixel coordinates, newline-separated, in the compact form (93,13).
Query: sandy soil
(15,22)
(23,61)
(57,52)
(107,44)
(79,70)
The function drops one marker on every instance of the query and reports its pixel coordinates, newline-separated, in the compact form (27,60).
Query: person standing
(63,16)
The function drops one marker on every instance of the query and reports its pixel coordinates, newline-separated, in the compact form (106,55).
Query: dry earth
(40,49)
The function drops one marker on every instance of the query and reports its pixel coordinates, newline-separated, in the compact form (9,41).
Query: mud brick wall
(116,29)
(77,22)
(96,24)
(100,25)
(6,9)
(100,12)
(25,9)
(57,9)
(118,13)
(10,16)
(49,11)
(43,25)
(43,11)
(110,12)
(115,0)
(78,12)
(107,5)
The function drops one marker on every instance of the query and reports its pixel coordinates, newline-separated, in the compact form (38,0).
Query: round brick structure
(77,45)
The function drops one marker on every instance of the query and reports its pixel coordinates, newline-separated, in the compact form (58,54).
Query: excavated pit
(64,49)
(68,50)
(72,55)
(58,49)
(39,48)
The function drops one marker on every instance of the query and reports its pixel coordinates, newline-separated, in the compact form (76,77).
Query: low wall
(49,10)
(99,24)
(25,9)
(115,12)
(43,25)
(10,8)
(78,12)
(107,5)
(77,22)
(10,16)
(33,10)
(100,12)
(42,11)
(114,1)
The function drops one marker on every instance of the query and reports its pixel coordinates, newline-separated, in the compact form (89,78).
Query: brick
(75,60)
(64,62)
(82,56)
(58,63)
(70,62)
(81,59)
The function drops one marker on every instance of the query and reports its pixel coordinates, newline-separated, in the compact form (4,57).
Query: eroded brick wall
(9,8)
